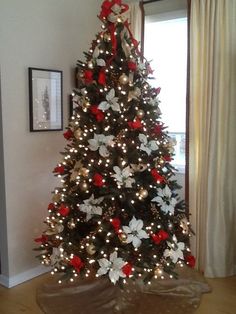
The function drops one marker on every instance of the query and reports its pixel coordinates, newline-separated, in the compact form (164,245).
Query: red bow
(116,224)
(59,169)
(68,134)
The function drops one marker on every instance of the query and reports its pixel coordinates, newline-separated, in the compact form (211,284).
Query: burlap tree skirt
(102,297)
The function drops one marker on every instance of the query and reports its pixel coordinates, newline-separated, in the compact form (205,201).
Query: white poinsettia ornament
(100,142)
(123,176)
(175,251)
(100,62)
(147,146)
(113,267)
(57,255)
(91,206)
(165,200)
(110,102)
(135,232)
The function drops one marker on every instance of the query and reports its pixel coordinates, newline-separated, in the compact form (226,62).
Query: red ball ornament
(68,134)
(98,180)
(51,206)
(127,269)
(59,169)
(64,210)
(191,261)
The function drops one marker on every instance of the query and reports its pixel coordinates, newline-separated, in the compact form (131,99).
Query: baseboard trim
(13,281)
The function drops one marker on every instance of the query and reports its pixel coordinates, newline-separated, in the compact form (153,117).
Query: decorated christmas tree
(117,211)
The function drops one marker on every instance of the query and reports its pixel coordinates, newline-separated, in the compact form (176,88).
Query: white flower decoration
(57,255)
(113,266)
(135,232)
(111,102)
(146,146)
(96,53)
(175,251)
(165,200)
(90,206)
(101,142)
(123,176)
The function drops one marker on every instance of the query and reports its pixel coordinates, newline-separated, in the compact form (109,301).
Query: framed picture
(45,99)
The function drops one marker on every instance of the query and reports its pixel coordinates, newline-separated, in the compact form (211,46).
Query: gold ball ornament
(140,114)
(123,237)
(78,133)
(71,224)
(143,193)
(83,186)
(91,250)
(124,79)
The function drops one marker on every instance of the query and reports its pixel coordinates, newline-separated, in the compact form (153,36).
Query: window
(166,44)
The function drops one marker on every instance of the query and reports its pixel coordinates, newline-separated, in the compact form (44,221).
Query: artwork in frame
(45,98)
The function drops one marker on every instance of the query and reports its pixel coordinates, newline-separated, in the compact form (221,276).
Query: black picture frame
(45,100)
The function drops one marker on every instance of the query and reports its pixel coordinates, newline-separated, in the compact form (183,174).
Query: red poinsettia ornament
(158,128)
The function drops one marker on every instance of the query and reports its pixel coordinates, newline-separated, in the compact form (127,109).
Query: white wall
(46,34)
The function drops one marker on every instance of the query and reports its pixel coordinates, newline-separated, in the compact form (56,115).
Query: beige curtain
(213,134)
(135,19)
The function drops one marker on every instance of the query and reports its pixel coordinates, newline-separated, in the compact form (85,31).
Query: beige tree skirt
(99,296)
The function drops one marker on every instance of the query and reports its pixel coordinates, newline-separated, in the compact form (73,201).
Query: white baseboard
(10,282)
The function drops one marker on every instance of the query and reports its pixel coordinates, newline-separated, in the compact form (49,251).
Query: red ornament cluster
(99,115)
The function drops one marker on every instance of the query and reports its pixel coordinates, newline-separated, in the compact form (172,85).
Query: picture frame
(45,100)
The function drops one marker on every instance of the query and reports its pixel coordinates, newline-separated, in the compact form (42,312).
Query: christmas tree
(117,212)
